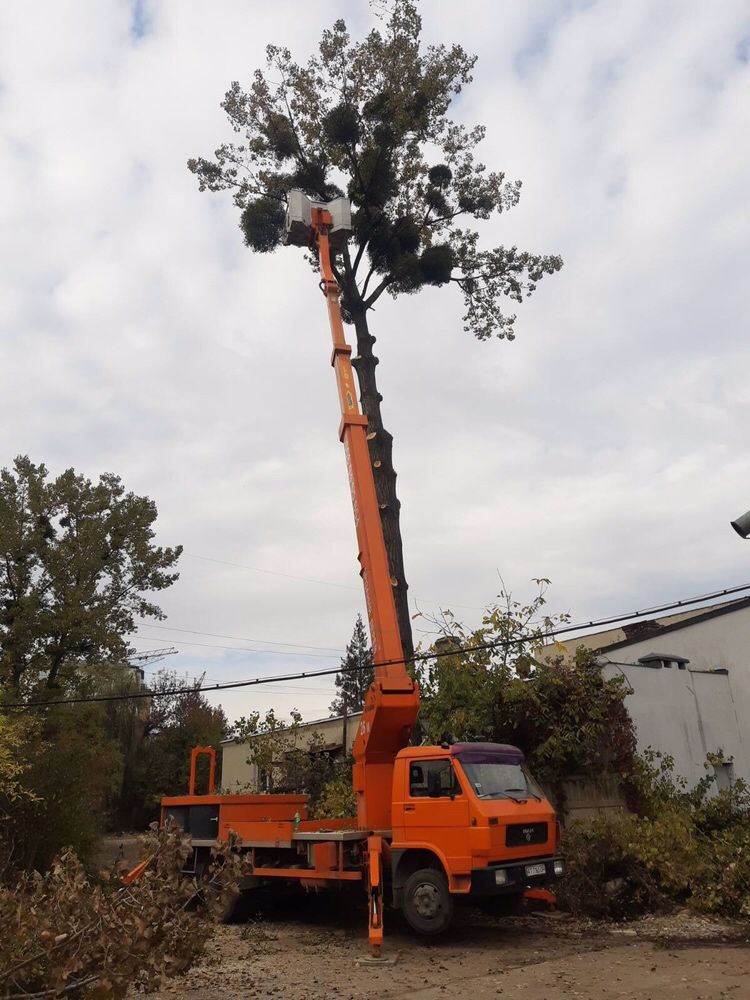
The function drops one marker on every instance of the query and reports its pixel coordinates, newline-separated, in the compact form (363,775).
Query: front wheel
(428,906)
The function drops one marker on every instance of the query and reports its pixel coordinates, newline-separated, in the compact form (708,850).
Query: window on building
(432,779)
(724,774)
(659,661)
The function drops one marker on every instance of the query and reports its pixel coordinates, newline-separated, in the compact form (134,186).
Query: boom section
(392,702)
(373,559)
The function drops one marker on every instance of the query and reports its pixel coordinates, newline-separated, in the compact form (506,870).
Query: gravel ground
(315,956)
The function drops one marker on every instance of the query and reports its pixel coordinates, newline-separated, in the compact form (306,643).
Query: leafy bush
(64,933)
(566,716)
(336,798)
(66,764)
(687,846)
(288,757)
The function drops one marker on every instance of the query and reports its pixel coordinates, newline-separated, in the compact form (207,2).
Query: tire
(427,904)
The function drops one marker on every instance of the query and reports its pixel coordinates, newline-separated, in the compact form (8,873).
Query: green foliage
(370,116)
(79,768)
(167,729)
(288,758)
(70,765)
(440,175)
(565,715)
(688,847)
(280,135)
(356,674)
(262,222)
(436,264)
(66,933)
(336,799)
(79,559)
(341,125)
(15,735)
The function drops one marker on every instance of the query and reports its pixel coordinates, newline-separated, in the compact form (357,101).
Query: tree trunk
(381,453)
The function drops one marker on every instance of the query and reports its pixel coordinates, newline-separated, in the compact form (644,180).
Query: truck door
(436,811)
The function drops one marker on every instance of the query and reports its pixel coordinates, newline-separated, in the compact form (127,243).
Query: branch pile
(66,934)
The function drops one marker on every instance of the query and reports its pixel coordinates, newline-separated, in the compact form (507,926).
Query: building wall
(586,798)
(688,713)
(237,773)
(685,714)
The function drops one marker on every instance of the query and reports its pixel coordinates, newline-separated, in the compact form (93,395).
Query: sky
(605,448)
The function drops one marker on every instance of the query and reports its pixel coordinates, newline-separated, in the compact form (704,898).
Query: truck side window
(432,779)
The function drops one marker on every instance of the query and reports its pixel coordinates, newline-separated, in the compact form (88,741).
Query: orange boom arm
(392,702)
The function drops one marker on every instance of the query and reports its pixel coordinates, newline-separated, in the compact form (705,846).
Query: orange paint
(392,703)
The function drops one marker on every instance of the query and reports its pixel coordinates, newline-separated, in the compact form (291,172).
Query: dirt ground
(314,955)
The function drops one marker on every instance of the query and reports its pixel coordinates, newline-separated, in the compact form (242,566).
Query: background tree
(77,560)
(167,728)
(69,766)
(568,719)
(371,119)
(356,674)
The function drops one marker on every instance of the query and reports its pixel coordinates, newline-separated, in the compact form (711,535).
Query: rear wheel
(428,906)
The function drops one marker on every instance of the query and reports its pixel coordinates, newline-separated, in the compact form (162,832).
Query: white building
(689,680)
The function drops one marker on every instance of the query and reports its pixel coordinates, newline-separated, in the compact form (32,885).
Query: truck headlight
(501,877)
(559,867)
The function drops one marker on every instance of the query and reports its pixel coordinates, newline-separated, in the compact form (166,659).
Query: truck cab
(468,819)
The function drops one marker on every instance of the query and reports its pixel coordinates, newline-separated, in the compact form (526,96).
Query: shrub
(564,713)
(336,798)
(628,865)
(64,932)
(67,765)
(687,846)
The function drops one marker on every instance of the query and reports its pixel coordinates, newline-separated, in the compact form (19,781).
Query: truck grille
(521,834)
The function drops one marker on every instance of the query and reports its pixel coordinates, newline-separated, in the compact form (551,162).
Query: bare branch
(379,291)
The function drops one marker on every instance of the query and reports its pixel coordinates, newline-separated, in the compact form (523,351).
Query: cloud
(603,448)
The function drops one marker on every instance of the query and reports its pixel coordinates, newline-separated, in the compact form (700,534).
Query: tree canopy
(371,119)
(78,562)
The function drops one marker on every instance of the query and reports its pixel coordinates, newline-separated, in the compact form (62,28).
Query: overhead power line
(244,649)
(322,583)
(243,638)
(479,647)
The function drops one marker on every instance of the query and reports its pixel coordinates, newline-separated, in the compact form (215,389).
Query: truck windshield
(498,780)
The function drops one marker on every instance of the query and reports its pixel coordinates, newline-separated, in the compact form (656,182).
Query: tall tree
(77,561)
(170,725)
(371,118)
(356,673)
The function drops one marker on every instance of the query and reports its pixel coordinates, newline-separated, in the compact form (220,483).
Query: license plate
(532,870)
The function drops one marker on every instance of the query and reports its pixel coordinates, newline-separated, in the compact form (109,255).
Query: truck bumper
(515,877)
